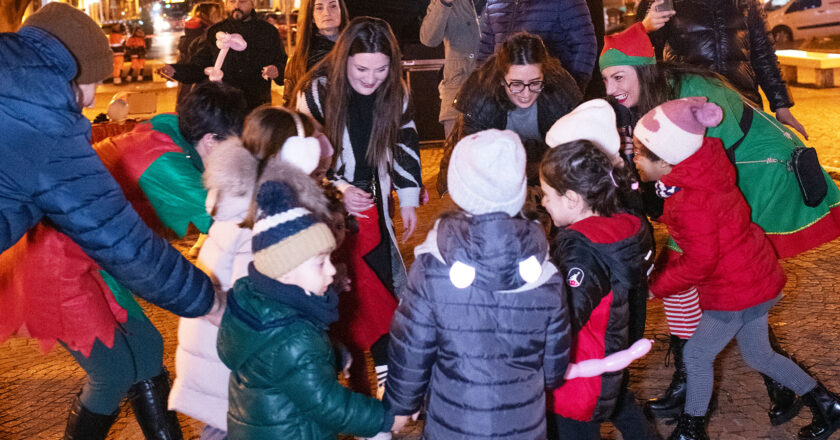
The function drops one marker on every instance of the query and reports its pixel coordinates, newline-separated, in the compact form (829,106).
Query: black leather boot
(784,404)
(149,399)
(825,406)
(690,428)
(671,404)
(85,425)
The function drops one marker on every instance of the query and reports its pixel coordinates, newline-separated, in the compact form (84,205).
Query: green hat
(630,47)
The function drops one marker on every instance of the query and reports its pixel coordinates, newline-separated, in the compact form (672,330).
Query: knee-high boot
(149,399)
(671,404)
(825,406)
(85,425)
(784,404)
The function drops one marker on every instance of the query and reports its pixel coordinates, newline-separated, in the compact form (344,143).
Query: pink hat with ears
(675,129)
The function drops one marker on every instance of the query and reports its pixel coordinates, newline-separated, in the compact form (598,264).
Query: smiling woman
(358,94)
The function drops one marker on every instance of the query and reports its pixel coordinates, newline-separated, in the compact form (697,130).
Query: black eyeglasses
(519,86)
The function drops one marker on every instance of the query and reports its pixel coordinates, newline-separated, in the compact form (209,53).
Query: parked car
(803,19)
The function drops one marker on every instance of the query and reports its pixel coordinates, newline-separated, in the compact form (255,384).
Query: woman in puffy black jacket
(520,88)
(726,36)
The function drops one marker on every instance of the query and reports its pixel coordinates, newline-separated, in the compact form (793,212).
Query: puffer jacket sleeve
(558,341)
(76,192)
(698,238)
(487,43)
(578,49)
(312,386)
(413,347)
(588,279)
(763,59)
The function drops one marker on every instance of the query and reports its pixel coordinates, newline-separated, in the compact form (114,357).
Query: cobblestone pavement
(36,389)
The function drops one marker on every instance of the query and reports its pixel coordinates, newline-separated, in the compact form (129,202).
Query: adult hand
(167,71)
(400,422)
(270,72)
(654,20)
(356,200)
(784,116)
(409,219)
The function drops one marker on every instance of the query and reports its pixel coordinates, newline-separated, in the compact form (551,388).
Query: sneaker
(117,80)
(128,79)
(139,78)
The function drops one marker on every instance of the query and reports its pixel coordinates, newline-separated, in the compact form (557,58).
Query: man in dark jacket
(250,70)
(564,25)
(727,36)
(49,170)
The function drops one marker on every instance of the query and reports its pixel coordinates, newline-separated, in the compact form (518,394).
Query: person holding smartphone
(729,37)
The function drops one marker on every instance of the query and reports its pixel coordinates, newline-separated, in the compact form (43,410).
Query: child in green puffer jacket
(273,335)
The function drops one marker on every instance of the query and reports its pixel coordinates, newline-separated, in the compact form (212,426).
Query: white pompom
(461,275)
(302,152)
(530,269)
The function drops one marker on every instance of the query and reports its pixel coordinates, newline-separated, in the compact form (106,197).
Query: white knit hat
(487,173)
(593,121)
(675,129)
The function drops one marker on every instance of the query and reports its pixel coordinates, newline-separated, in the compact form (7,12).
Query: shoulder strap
(745,123)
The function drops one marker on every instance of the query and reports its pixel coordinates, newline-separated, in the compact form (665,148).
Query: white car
(802,19)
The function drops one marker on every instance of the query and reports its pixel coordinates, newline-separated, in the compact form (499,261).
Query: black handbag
(809,174)
(803,163)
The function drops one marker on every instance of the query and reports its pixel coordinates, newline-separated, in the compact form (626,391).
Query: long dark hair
(661,82)
(296,67)
(363,35)
(581,167)
(522,48)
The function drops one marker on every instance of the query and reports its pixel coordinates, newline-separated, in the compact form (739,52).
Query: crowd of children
(481,333)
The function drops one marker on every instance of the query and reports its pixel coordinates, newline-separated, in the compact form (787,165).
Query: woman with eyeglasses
(519,88)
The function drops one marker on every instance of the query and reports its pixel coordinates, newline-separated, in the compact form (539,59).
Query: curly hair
(581,167)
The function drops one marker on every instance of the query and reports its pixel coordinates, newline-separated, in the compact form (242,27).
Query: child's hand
(399,423)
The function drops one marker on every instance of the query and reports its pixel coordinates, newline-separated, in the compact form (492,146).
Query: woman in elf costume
(52,290)
(760,147)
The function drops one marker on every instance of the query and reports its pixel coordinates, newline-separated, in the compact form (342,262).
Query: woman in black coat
(520,88)
(726,36)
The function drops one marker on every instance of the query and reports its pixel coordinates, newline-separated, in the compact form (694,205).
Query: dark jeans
(628,418)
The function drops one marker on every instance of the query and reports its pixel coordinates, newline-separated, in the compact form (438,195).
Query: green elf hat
(630,47)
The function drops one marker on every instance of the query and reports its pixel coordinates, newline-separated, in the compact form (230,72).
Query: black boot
(690,428)
(784,404)
(825,406)
(671,404)
(149,399)
(85,425)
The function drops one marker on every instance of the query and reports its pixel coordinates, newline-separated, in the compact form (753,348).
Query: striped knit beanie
(630,47)
(285,233)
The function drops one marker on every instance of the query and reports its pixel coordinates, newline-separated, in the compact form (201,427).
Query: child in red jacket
(725,255)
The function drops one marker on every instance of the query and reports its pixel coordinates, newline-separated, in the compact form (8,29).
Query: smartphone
(666,5)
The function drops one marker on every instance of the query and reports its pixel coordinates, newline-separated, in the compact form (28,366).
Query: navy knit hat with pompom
(285,233)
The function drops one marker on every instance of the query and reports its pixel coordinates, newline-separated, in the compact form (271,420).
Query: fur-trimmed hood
(231,178)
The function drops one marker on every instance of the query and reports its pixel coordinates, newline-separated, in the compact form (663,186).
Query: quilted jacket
(49,170)
(283,372)
(564,25)
(729,37)
(725,255)
(483,355)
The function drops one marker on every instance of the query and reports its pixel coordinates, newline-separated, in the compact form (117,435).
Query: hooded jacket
(484,354)
(729,37)
(564,25)
(50,170)
(200,389)
(283,371)
(725,255)
(605,262)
